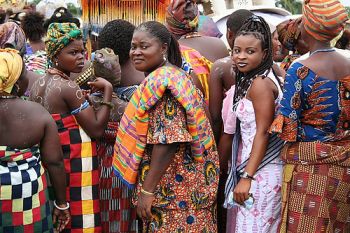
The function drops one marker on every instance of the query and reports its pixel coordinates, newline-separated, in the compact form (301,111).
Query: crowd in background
(163,128)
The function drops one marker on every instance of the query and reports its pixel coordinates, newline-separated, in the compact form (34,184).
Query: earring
(164,57)
(56,63)
(17,87)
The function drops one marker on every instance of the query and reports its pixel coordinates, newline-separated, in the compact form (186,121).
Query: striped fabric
(200,65)
(132,133)
(324,19)
(81,166)
(24,202)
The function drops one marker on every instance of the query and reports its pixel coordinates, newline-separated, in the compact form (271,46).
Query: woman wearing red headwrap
(314,121)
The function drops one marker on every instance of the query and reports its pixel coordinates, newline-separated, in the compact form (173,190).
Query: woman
(289,36)
(77,122)
(164,144)
(24,196)
(313,120)
(12,36)
(253,187)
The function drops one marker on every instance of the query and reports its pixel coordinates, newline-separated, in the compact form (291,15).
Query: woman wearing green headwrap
(76,120)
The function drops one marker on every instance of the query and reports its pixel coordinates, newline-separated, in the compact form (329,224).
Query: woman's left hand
(241,192)
(144,205)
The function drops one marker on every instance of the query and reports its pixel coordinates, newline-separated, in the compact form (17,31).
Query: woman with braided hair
(254,183)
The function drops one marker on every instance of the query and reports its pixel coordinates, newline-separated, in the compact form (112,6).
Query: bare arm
(225,151)
(94,123)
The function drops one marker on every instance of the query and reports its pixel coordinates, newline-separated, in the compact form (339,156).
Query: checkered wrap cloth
(316,187)
(81,166)
(132,133)
(24,200)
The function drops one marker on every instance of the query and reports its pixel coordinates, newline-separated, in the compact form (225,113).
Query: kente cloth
(12,35)
(316,187)
(11,65)
(59,35)
(117,212)
(289,32)
(324,19)
(24,201)
(132,133)
(182,16)
(188,186)
(81,166)
(200,65)
(313,108)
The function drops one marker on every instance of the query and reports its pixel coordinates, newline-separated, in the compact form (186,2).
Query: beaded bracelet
(146,192)
(108,104)
(61,208)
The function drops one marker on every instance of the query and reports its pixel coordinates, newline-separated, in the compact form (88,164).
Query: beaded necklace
(8,97)
(190,35)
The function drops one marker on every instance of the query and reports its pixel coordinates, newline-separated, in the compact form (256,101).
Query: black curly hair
(237,19)
(61,15)
(117,35)
(159,31)
(257,27)
(33,26)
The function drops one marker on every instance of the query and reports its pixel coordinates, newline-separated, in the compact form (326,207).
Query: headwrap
(324,19)
(182,16)
(12,35)
(11,65)
(59,35)
(289,32)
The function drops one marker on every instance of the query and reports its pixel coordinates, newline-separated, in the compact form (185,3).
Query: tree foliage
(293,6)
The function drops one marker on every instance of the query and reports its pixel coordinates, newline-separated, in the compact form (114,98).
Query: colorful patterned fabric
(117,213)
(200,65)
(81,166)
(289,32)
(182,16)
(12,35)
(59,35)
(36,62)
(324,19)
(186,193)
(316,187)
(11,66)
(288,60)
(24,202)
(132,133)
(313,119)
(207,27)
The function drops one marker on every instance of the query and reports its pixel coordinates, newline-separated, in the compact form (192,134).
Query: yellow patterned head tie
(59,35)
(11,65)
(324,19)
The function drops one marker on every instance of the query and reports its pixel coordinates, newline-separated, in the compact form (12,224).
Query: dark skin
(25,124)
(330,65)
(60,96)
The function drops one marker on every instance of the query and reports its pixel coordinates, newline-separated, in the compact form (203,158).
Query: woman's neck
(317,45)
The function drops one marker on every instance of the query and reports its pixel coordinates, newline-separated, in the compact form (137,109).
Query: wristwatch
(246,175)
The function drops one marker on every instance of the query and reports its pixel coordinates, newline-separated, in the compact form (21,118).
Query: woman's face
(147,52)
(71,58)
(276,47)
(247,53)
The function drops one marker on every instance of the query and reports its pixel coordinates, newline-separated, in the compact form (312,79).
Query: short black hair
(33,26)
(236,20)
(61,15)
(117,35)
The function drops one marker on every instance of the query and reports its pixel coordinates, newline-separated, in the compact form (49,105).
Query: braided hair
(160,32)
(257,27)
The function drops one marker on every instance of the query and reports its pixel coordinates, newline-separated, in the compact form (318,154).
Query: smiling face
(71,58)
(247,53)
(147,52)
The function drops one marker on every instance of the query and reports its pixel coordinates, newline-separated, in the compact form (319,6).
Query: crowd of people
(165,129)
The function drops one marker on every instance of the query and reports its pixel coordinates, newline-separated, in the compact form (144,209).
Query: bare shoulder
(262,86)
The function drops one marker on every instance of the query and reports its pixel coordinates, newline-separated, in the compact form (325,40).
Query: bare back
(22,123)
(330,65)
(210,47)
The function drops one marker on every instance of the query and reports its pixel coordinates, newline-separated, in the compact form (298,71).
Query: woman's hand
(61,217)
(144,205)
(100,84)
(241,192)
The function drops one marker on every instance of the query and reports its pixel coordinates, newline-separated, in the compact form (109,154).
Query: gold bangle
(146,192)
